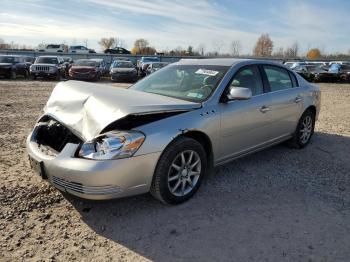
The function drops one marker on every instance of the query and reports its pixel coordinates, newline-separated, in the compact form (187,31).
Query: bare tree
(119,42)
(235,47)
(201,49)
(279,52)
(141,44)
(106,43)
(217,44)
(263,46)
(292,51)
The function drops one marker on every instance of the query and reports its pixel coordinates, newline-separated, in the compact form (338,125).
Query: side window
(294,79)
(249,77)
(278,78)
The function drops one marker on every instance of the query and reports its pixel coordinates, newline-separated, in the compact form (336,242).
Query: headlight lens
(52,69)
(112,145)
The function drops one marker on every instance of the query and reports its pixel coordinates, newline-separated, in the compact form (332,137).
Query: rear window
(278,78)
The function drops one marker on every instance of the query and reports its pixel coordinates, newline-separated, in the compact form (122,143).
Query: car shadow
(249,210)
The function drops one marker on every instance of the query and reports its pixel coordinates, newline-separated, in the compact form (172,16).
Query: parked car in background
(48,67)
(144,62)
(165,133)
(103,65)
(153,67)
(29,60)
(117,50)
(11,66)
(123,71)
(121,58)
(53,48)
(79,49)
(86,69)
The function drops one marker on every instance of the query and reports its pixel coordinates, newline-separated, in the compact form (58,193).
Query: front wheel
(304,130)
(179,171)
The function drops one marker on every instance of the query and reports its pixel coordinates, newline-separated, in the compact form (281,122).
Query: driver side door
(245,124)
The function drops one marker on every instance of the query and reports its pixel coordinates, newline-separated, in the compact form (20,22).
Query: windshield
(150,59)
(46,60)
(7,59)
(85,63)
(120,64)
(188,82)
(158,65)
(53,46)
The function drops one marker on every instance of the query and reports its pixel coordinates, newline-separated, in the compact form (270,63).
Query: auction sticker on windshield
(207,72)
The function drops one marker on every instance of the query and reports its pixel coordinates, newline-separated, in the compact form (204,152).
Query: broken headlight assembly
(112,145)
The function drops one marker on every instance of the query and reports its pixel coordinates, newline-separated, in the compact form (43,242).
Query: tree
(313,53)
(140,45)
(217,44)
(292,51)
(107,43)
(201,49)
(279,52)
(190,50)
(263,46)
(119,42)
(235,47)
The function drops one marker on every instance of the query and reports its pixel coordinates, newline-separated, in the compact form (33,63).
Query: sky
(166,25)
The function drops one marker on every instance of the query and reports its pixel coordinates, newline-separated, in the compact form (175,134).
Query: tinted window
(278,78)
(249,77)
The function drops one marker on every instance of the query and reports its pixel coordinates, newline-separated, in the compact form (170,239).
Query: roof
(51,56)
(211,61)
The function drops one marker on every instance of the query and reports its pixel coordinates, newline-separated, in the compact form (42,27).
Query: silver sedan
(166,133)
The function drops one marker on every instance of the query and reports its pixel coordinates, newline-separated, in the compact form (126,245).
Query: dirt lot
(277,205)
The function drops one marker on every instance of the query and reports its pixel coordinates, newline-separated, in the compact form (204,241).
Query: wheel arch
(206,143)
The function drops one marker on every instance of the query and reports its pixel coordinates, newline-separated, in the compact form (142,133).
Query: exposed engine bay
(51,135)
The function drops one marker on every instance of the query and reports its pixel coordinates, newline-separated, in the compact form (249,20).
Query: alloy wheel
(306,130)
(184,173)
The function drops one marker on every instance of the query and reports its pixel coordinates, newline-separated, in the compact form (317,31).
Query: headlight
(52,69)
(112,145)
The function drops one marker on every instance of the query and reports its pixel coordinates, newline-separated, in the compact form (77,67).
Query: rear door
(285,99)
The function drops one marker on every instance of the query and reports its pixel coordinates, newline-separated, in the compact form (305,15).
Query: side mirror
(239,93)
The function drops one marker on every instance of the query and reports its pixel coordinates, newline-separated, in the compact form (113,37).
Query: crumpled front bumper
(94,179)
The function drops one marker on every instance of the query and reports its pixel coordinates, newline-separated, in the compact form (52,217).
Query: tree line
(264,47)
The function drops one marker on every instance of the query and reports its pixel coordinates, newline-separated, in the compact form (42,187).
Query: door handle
(264,109)
(297,99)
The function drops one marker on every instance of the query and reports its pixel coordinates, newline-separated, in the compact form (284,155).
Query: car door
(245,124)
(286,99)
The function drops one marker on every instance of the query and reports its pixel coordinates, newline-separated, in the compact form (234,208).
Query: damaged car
(165,133)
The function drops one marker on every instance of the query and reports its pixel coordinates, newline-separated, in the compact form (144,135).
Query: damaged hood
(88,108)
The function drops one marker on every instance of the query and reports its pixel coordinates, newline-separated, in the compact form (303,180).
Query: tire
(58,76)
(173,177)
(306,122)
(13,74)
(26,74)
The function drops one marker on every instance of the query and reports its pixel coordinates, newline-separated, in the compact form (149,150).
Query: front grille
(42,68)
(82,189)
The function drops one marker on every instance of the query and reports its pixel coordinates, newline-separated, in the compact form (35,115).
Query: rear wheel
(179,171)
(13,75)
(26,74)
(58,76)
(304,130)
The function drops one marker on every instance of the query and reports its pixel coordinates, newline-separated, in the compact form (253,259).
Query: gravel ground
(277,205)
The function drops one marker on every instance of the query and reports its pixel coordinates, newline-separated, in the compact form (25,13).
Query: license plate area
(38,167)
